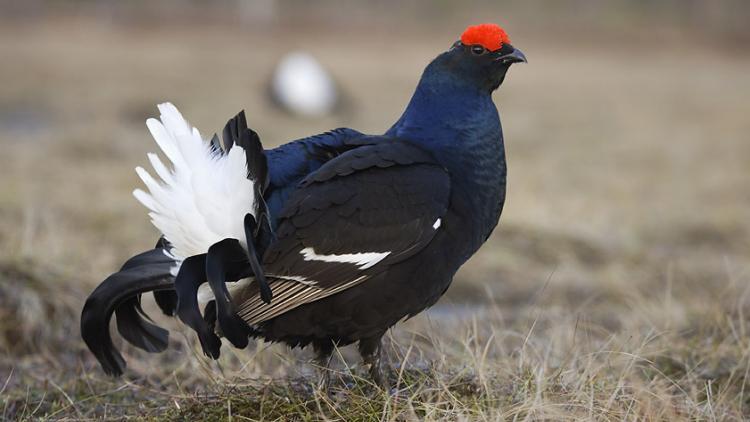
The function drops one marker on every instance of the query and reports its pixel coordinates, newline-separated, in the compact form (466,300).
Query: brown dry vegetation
(616,286)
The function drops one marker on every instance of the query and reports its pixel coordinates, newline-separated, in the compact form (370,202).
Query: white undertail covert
(203,196)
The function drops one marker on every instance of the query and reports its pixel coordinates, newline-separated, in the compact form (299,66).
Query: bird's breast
(478,184)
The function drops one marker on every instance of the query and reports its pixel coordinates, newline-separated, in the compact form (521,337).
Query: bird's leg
(372,355)
(323,355)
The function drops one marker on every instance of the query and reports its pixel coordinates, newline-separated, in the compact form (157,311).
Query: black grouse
(328,240)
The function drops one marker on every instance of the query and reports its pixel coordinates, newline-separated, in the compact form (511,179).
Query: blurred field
(616,286)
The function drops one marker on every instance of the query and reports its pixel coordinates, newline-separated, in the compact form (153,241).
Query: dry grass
(616,286)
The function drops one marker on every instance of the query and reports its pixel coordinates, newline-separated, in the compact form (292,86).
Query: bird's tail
(203,193)
(212,193)
(120,294)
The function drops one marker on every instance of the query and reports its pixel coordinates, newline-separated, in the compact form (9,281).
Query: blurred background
(628,211)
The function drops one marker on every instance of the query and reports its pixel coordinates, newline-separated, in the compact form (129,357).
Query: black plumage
(352,232)
(121,293)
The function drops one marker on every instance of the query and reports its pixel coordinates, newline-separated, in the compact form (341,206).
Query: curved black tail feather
(120,293)
(190,277)
(135,326)
(165,299)
(237,132)
(226,261)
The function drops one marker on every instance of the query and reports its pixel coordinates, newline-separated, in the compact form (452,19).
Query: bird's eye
(478,50)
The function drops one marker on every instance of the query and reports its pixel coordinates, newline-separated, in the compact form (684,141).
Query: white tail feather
(204,197)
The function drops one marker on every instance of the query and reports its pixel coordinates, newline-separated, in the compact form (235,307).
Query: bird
(324,241)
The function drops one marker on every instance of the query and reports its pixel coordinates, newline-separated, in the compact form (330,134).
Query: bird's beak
(515,56)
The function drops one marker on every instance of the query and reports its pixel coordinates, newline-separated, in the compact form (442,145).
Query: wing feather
(360,213)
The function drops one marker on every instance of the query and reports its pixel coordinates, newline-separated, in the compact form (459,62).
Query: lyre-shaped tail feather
(120,293)
(203,197)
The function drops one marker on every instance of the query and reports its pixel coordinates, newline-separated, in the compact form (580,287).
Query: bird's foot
(324,381)
(372,356)
(323,355)
(379,374)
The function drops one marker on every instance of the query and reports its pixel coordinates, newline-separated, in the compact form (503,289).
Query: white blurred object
(302,86)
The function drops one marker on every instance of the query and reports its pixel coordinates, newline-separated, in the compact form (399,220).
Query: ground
(615,287)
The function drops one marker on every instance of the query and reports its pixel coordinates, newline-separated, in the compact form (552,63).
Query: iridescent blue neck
(448,114)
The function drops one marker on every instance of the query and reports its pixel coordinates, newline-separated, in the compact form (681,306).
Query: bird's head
(481,57)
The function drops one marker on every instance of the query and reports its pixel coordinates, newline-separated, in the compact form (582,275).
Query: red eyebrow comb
(488,35)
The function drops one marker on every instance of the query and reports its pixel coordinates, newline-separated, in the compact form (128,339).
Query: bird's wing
(293,161)
(205,195)
(358,214)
